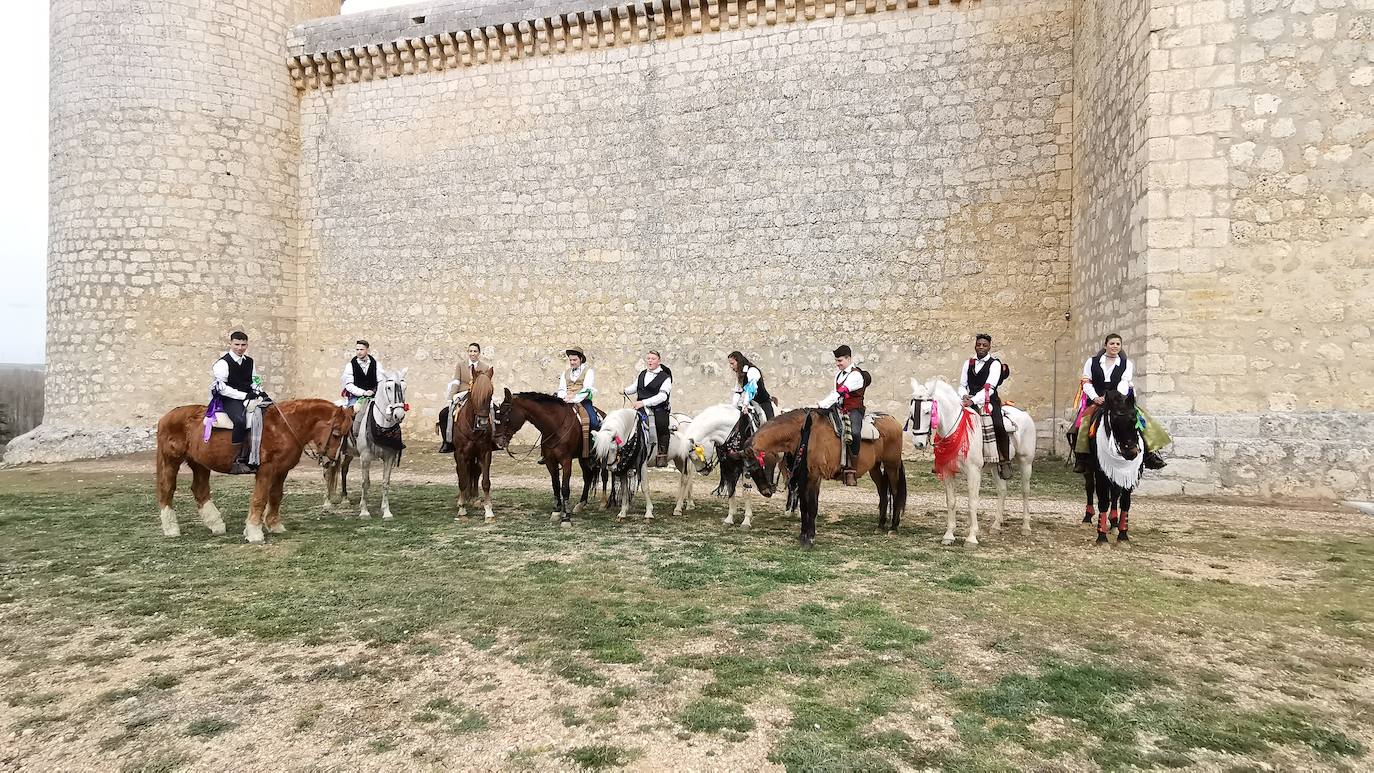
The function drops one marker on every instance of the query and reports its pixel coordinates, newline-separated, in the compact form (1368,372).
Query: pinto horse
(1117,460)
(561,443)
(805,437)
(287,429)
(473,442)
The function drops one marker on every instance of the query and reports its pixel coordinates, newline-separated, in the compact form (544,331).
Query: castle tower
(174,137)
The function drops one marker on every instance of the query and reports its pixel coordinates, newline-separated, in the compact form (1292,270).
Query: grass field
(1227,637)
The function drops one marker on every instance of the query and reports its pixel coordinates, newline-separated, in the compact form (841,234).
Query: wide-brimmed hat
(577,351)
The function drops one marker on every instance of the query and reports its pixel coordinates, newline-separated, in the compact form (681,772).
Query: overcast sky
(24,196)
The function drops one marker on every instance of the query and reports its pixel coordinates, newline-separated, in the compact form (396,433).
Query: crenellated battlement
(423,38)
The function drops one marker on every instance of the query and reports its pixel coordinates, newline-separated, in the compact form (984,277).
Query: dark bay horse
(287,429)
(1118,457)
(804,437)
(473,441)
(560,440)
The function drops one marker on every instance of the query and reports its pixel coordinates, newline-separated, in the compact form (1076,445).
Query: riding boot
(1004,470)
(1153,461)
(241,465)
(1080,462)
(446,447)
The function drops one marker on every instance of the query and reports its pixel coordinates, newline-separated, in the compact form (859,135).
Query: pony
(622,447)
(730,453)
(561,442)
(938,416)
(385,411)
(288,428)
(804,438)
(698,445)
(681,458)
(1117,460)
(473,442)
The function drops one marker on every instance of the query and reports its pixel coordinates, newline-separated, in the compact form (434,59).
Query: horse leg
(648,501)
(1001,502)
(748,510)
(487,514)
(273,510)
(557,489)
(950,505)
(1103,499)
(683,481)
(200,488)
(565,493)
(366,459)
(252,527)
(622,483)
(880,481)
(386,487)
(1089,486)
(167,468)
(331,486)
(1025,494)
(690,504)
(810,508)
(898,503)
(588,484)
(974,473)
(1124,525)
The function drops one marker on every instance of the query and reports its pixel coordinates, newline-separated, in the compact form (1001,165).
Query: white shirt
(588,383)
(663,391)
(752,375)
(852,380)
(348,375)
(994,379)
(1108,364)
(220,372)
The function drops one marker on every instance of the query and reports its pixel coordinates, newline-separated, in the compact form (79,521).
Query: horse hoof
(971,542)
(1101,539)
(727,522)
(216,529)
(278,529)
(1123,537)
(891,533)
(620,519)
(364,516)
(555,517)
(387,516)
(577,510)
(253,534)
(1087,518)
(744,524)
(565,524)
(947,541)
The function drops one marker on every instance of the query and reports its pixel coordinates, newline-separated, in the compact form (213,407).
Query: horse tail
(898,504)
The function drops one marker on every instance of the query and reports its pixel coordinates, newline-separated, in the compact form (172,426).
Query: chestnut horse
(560,441)
(473,441)
(287,428)
(806,439)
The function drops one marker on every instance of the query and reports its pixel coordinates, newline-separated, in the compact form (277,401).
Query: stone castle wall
(174,133)
(896,180)
(776,176)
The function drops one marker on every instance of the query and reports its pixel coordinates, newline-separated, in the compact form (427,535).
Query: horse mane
(538,397)
(482,390)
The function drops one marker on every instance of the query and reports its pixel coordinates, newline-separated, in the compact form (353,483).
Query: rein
(321,459)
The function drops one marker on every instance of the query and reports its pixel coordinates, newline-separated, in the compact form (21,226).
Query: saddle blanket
(990,433)
(869,431)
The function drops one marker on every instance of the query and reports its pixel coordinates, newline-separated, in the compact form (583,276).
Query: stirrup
(661,460)
(240,467)
(851,477)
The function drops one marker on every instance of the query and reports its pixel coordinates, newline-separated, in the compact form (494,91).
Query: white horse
(387,409)
(693,446)
(956,426)
(621,448)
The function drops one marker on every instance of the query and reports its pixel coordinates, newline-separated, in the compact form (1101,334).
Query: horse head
(918,419)
(508,418)
(391,395)
(1119,417)
(331,436)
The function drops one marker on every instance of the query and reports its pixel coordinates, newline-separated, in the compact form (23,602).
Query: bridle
(913,422)
(324,459)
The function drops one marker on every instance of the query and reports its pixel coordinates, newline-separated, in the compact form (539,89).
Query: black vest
(761,396)
(240,376)
(365,379)
(1102,382)
(978,378)
(644,391)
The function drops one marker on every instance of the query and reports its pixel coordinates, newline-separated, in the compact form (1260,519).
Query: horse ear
(402,375)
(507,391)
(915,384)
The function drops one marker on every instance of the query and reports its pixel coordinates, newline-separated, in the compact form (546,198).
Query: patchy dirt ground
(1228,635)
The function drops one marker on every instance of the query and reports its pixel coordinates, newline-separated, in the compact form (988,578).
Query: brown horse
(473,442)
(561,442)
(287,428)
(808,444)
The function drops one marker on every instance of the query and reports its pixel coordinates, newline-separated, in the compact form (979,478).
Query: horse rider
(463,374)
(849,395)
(236,382)
(978,384)
(359,375)
(1111,369)
(651,390)
(749,386)
(577,386)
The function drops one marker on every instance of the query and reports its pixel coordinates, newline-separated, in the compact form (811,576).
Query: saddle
(222,420)
(869,431)
(990,432)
